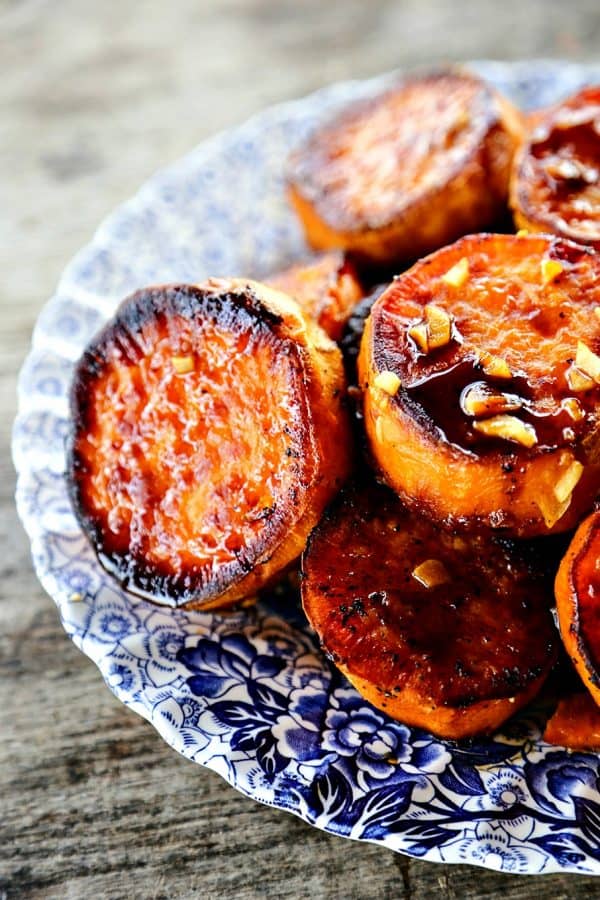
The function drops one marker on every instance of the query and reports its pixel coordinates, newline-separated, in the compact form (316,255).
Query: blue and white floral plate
(249,694)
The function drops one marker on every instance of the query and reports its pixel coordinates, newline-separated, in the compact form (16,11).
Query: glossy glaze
(396,176)
(556,183)
(464,642)
(507,310)
(577,591)
(193,455)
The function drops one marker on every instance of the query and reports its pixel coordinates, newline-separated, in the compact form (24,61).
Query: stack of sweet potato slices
(213,425)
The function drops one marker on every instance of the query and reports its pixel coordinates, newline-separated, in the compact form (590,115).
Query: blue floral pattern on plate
(248,693)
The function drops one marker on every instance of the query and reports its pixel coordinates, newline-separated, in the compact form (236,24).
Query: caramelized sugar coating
(575,724)
(446,633)
(405,172)
(327,288)
(555,185)
(207,436)
(577,590)
(480,368)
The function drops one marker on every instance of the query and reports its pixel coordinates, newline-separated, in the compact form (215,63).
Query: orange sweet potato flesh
(456,658)
(514,309)
(575,724)
(555,183)
(577,590)
(208,434)
(326,287)
(400,174)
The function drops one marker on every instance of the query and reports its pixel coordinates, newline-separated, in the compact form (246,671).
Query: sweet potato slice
(575,724)
(208,433)
(327,288)
(446,633)
(555,184)
(481,376)
(409,170)
(577,590)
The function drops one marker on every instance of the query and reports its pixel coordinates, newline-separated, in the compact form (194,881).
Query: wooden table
(94,97)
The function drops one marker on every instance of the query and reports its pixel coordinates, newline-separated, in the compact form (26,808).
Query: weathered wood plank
(93,98)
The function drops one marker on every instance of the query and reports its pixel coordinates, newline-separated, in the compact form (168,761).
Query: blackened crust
(541,200)
(584,628)
(307,166)
(238,310)
(376,622)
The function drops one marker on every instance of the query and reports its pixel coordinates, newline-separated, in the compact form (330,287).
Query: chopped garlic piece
(183,364)
(567,482)
(587,361)
(509,428)
(578,381)
(495,366)
(431,573)
(388,382)
(434,331)
(458,274)
(479,399)
(439,326)
(522,232)
(419,335)
(551,269)
(597,312)
(551,508)
(573,407)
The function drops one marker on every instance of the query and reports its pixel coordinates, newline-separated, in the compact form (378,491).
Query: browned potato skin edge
(473,195)
(526,214)
(447,722)
(326,431)
(565,591)
(542,225)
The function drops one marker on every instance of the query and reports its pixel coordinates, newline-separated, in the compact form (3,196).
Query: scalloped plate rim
(68,285)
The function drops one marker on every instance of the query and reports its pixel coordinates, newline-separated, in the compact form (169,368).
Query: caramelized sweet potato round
(481,375)
(442,632)
(208,433)
(555,184)
(575,724)
(327,288)
(402,173)
(577,590)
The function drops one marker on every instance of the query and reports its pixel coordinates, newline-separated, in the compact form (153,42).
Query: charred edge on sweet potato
(456,658)
(577,620)
(409,215)
(160,313)
(555,182)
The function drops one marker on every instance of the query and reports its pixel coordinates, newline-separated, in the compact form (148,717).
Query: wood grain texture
(94,97)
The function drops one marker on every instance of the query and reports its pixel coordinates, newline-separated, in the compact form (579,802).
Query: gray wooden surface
(95,95)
